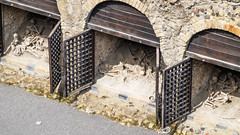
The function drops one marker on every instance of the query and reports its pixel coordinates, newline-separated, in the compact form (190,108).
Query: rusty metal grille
(176,93)
(55,42)
(79,62)
(1,35)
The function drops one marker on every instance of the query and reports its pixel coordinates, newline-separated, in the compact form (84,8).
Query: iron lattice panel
(176,94)
(1,28)
(79,62)
(55,42)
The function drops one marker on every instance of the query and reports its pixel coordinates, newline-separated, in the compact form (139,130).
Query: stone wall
(174,23)
(13,18)
(201,74)
(105,45)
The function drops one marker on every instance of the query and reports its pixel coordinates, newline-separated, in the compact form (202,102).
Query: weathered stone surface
(125,113)
(36,84)
(13,18)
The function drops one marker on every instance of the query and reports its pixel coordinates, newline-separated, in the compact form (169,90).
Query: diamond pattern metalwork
(1,35)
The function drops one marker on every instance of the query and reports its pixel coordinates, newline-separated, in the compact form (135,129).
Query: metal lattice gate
(55,42)
(79,62)
(1,30)
(176,92)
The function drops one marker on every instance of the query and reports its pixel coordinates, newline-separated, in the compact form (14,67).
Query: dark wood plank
(131,15)
(121,7)
(43,7)
(125,18)
(214,54)
(216,45)
(225,39)
(120,22)
(212,61)
(225,34)
(123,29)
(124,35)
(42,4)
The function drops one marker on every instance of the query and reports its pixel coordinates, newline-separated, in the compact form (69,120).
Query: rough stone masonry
(174,23)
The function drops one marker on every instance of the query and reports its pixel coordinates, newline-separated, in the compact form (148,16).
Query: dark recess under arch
(124,21)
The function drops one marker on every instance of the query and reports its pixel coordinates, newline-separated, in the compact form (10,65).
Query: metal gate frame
(54,45)
(157,98)
(79,62)
(176,92)
(1,31)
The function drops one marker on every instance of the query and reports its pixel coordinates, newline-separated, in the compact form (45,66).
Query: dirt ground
(130,69)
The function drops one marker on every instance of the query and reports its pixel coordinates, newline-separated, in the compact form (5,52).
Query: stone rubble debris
(128,63)
(133,56)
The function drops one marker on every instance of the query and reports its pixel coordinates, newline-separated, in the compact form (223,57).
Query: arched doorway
(124,21)
(216,47)
(113,18)
(118,20)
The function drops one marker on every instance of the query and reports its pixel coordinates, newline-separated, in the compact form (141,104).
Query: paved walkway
(20,110)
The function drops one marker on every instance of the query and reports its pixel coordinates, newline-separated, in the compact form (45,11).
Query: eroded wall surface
(13,18)
(174,23)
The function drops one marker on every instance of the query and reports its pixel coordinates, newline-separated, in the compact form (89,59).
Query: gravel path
(20,110)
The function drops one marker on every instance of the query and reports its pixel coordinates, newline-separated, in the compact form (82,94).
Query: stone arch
(143,32)
(197,26)
(91,4)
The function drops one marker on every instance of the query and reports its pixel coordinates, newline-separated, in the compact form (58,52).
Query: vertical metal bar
(93,56)
(157,83)
(190,105)
(163,98)
(50,64)
(65,70)
(54,44)
(1,30)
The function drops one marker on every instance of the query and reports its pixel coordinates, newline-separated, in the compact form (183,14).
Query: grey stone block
(3,59)
(198,131)
(235,133)
(221,126)
(189,117)
(30,68)
(151,105)
(122,97)
(94,88)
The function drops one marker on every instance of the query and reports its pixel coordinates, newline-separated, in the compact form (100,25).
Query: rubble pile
(131,68)
(125,112)
(223,84)
(130,61)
